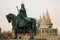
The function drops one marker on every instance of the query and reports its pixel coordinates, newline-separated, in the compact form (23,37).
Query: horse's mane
(11,15)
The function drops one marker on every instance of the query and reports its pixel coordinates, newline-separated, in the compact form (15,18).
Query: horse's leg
(33,29)
(31,35)
(24,31)
(15,36)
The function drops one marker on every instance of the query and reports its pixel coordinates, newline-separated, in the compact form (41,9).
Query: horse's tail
(34,28)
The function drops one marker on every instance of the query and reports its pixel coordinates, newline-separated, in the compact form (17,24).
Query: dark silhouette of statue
(21,23)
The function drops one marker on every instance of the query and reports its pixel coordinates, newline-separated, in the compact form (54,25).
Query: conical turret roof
(47,17)
(39,20)
(43,21)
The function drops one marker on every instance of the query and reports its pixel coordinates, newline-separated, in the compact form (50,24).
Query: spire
(39,20)
(43,21)
(47,15)
(48,20)
(43,16)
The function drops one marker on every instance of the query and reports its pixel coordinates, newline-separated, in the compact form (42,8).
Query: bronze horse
(22,22)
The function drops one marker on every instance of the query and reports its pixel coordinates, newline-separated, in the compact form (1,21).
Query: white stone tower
(45,21)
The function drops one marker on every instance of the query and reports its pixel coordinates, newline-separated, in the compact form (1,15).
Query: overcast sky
(34,8)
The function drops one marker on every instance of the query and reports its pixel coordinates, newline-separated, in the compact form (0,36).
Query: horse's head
(10,17)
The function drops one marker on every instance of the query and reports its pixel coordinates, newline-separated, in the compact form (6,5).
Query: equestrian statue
(22,22)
